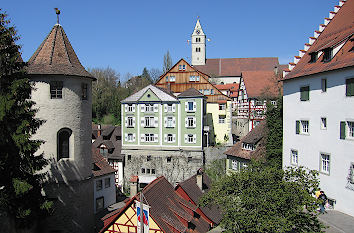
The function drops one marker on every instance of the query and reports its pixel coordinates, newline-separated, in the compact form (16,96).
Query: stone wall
(176,166)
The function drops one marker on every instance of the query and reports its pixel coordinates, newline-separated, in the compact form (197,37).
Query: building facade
(62,93)
(318,114)
(181,77)
(162,134)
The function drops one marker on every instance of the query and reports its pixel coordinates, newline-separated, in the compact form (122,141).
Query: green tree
(267,199)
(146,75)
(21,181)
(167,62)
(274,145)
(216,169)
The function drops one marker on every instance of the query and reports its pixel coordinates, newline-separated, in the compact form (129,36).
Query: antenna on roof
(57,11)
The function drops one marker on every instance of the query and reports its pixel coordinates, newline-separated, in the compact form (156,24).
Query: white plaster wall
(336,107)
(108,193)
(69,112)
(198,58)
(228,80)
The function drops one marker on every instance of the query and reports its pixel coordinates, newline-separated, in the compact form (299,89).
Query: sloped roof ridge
(156,90)
(55,55)
(317,33)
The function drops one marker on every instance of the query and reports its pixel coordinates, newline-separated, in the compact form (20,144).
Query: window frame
(84,92)
(222,120)
(327,54)
(149,121)
(349,87)
(97,201)
(324,85)
(222,106)
(56,89)
(130,122)
(303,90)
(292,162)
(190,121)
(99,185)
(170,137)
(130,137)
(190,138)
(328,163)
(149,137)
(105,182)
(323,123)
(60,143)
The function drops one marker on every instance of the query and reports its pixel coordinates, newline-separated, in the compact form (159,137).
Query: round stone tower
(63,96)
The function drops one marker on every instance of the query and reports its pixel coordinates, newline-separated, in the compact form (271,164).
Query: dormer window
(182,67)
(248,146)
(327,54)
(313,57)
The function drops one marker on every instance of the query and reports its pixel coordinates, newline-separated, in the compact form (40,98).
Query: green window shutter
(297,127)
(342,129)
(230,163)
(349,87)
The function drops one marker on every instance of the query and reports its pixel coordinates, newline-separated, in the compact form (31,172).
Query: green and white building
(162,134)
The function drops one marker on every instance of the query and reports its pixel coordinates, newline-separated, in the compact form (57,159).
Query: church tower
(62,93)
(198,45)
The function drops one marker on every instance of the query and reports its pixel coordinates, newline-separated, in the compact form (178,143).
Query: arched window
(64,143)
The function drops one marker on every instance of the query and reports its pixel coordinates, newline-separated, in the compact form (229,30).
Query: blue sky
(130,35)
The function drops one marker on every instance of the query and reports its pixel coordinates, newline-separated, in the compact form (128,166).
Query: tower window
(197,39)
(56,89)
(84,91)
(197,49)
(63,143)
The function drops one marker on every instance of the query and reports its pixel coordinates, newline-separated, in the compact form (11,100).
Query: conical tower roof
(56,56)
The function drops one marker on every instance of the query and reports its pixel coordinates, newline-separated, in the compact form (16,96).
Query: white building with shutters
(163,134)
(318,115)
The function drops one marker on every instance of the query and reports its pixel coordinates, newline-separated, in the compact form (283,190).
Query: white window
(166,78)
(235,165)
(325,163)
(130,122)
(169,107)
(169,123)
(130,137)
(206,91)
(149,137)
(273,102)
(149,121)
(172,78)
(248,146)
(350,129)
(222,106)
(190,122)
(294,157)
(182,67)
(222,119)
(190,138)
(323,123)
(305,127)
(169,138)
(149,107)
(191,78)
(191,106)
(130,108)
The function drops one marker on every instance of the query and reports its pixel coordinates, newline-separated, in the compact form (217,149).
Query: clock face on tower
(197,31)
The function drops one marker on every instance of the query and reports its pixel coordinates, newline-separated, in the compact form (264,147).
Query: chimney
(98,130)
(276,70)
(200,178)
(134,180)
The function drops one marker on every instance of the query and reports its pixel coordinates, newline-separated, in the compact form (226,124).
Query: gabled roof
(167,208)
(339,30)
(261,83)
(56,56)
(256,136)
(234,66)
(191,188)
(101,163)
(191,92)
(113,132)
(229,86)
(161,93)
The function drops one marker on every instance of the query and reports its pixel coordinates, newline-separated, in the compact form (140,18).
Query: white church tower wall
(198,42)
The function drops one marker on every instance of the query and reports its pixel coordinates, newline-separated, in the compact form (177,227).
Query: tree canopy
(167,62)
(21,180)
(266,199)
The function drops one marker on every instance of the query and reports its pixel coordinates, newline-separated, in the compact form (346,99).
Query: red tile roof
(230,86)
(167,208)
(193,191)
(340,29)
(101,163)
(261,83)
(234,66)
(256,136)
(56,56)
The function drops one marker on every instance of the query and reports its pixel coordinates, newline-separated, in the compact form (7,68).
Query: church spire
(198,45)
